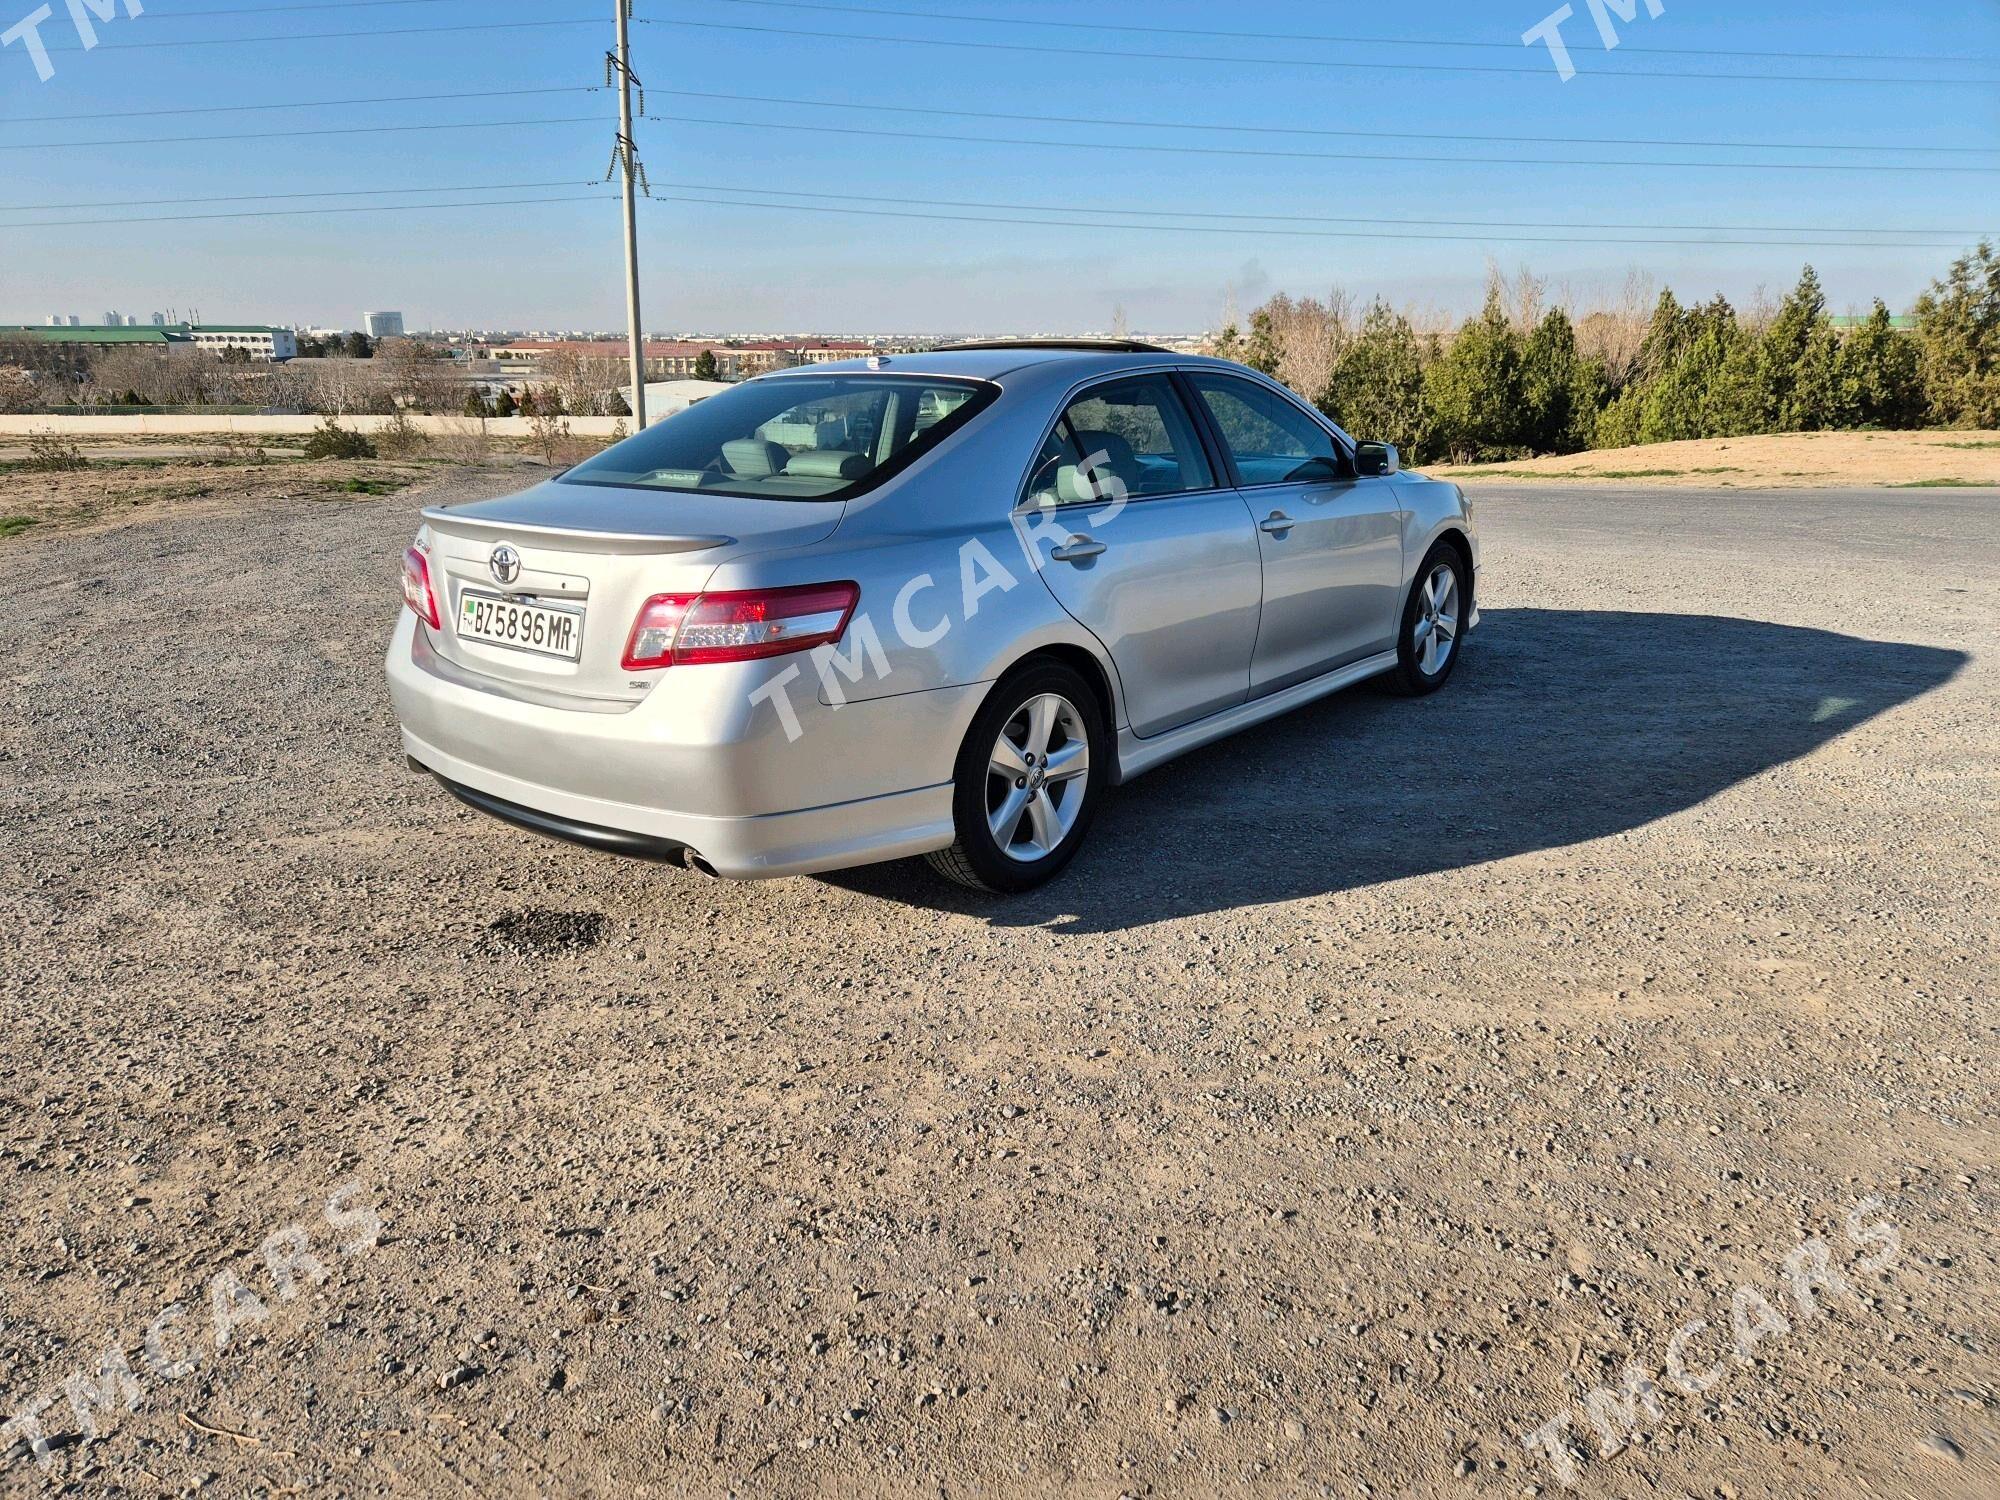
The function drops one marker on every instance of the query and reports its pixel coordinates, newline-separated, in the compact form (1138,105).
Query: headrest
(753,458)
(1073,485)
(1116,453)
(827,463)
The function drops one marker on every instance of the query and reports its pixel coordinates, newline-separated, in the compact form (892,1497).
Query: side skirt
(1136,756)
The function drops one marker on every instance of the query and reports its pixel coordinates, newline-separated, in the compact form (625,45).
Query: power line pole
(618,67)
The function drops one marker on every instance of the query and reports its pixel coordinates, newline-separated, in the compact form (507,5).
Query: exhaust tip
(693,860)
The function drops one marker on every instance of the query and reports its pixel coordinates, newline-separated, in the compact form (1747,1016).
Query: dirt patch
(1799,460)
(1374,1087)
(119,489)
(537,930)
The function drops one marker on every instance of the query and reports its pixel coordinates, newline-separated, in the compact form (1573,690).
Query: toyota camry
(920,604)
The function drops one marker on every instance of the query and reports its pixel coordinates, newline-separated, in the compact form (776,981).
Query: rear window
(792,438)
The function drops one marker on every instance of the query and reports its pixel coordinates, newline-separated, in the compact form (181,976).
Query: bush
(401,438)
(51,453)
(331,440)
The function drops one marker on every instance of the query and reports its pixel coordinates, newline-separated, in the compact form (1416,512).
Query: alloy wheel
(1036,777)
(1435,635)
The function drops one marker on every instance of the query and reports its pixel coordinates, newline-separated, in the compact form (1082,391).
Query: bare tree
(1615,335)
(18,391)
(416,376)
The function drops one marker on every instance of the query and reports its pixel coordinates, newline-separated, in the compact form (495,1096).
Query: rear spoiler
(563,538)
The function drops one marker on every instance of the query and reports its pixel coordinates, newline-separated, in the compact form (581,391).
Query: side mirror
(1372,460)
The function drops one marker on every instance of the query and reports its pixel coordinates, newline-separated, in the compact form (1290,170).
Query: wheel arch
(1455,538)
(1085,662)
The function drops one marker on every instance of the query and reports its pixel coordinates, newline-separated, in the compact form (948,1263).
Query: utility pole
(618,67)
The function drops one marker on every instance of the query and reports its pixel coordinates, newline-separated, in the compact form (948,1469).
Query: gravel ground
(1375,1085)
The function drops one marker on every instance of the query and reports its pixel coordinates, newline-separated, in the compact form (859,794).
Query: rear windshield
(821,437)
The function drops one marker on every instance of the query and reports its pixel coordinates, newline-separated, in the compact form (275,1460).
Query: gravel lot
(1375,1085)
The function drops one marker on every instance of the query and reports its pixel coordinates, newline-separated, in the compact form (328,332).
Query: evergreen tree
(1881,381)
(1560,389)
(1260,351)
(1795,361)
(1474,390)
(1377,388)
(1958,327)
(705,367)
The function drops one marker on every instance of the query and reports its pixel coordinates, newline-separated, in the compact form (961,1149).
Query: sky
(808,175)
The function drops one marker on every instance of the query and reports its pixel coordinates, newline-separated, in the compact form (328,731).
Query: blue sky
(713,266)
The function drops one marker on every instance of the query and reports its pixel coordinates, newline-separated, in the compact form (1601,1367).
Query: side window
(1272,441)
(1131,438)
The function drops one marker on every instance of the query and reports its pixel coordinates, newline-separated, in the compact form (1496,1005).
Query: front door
(1145,546)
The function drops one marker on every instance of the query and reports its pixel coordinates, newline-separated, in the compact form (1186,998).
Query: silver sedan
(933,604)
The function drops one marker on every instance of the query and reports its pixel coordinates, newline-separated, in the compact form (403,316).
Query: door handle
(1277,523)
(1078,548)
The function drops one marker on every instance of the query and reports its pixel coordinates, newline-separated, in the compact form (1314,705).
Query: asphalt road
(1374,1086)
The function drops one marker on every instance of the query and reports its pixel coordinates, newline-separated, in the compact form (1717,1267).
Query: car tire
(1431,637)
(1013,837)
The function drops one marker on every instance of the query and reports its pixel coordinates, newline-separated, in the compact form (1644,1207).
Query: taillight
(417,587)
(684,629)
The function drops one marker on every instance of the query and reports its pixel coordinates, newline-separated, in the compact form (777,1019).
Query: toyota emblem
(506,564)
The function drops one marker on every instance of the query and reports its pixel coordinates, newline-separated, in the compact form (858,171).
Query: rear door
(1332,544)
(1149,549)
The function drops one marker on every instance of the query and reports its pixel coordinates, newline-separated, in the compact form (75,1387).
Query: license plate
(519,626)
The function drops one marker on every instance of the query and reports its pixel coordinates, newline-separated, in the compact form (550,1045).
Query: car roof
(992,361)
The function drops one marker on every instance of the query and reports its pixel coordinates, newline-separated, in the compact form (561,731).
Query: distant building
(664,398)
(159,320)
(255,339)
(382,325)
(101,336)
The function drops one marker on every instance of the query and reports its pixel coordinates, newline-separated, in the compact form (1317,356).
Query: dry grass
(1795,460)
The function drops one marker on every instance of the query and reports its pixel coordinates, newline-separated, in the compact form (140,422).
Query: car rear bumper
(694,771)
(760,847)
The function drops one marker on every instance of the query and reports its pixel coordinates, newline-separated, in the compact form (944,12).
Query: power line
(1285,233)
(277,213)
(260,10)
(987,19)
(471,187)
(1306,62)
(1181,213)
(1107,122)
(268,135)
(230,109)
(1374,135)
(1500,161)
(1049,208)
(316,36)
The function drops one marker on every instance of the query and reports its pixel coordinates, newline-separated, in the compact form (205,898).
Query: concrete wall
(185,426)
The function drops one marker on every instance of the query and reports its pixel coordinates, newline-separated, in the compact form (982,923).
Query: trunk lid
(592,554)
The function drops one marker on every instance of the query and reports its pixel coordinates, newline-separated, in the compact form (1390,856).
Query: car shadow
(1559,726)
